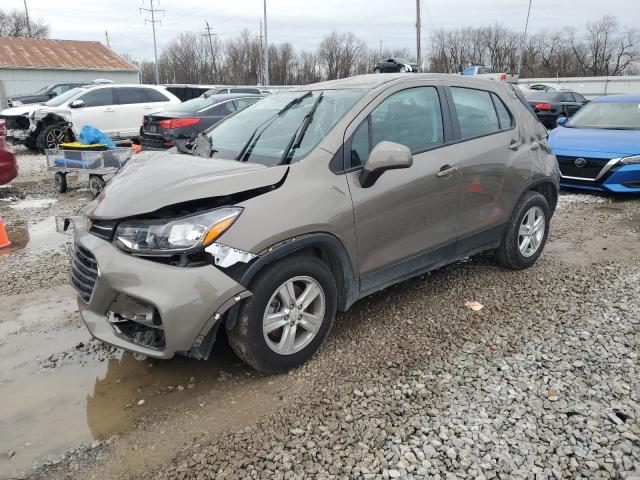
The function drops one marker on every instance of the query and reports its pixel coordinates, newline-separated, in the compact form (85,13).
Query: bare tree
(339,52)
(14,24)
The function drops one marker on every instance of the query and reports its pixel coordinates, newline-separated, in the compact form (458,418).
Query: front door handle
(446,171)
(109,110)
(514,145)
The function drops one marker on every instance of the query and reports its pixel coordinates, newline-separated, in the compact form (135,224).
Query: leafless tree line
(14,24)
(603,48)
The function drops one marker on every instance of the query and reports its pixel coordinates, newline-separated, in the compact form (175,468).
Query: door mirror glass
(561,121)
(384,156)
(77,104)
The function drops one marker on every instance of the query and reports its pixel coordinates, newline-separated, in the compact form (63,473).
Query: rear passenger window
(475,111)
(504,117)
(128,96)
(155,96)
(244,102)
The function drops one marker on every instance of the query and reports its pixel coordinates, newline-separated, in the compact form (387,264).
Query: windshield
(63,97)
(609,115)
(263,131)
(43,90)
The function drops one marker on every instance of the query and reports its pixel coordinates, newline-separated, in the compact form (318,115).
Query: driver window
(410,117)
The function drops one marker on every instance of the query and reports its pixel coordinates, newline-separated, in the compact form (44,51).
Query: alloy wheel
(531,232)
(54,138)
(294,315)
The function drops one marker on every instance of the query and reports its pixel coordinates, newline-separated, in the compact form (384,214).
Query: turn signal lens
(218,229)
(178,123)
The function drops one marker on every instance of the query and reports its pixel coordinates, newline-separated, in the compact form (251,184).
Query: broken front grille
(103,229)
(84,272)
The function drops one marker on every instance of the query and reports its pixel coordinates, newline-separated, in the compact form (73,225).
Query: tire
(96,184)
(377,70)
(51,136)
(60,180)
(510,253)
(256,348)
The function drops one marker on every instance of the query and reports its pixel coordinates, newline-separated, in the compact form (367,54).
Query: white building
(28,64)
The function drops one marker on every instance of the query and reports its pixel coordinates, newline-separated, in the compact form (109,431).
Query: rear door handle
(148,107)
(446,171)
(109,110)
(515,144)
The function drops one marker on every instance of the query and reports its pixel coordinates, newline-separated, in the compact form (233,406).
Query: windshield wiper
(298,135)
(249,144)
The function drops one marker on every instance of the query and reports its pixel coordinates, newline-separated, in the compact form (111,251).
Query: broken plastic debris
(226,256)
(475,306)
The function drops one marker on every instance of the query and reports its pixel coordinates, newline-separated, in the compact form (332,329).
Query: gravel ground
(542,383)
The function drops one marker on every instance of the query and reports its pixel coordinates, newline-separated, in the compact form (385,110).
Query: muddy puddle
(36,237)
(58,388)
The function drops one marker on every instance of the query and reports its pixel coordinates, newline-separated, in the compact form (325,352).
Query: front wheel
(96,184)
(377,70)
(52,136)
(526,233)
(288,317)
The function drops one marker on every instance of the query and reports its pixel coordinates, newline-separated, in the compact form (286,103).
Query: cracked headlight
(183,235)
(633,159)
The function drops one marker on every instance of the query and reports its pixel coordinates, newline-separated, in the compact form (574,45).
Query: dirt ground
(75,408)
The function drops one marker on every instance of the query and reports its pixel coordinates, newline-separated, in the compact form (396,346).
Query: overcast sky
(305,22)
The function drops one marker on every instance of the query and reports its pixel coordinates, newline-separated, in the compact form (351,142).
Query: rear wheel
(377,70)
(526,233)
(288,317)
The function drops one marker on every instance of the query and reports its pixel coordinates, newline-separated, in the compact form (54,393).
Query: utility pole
(418,25)
(153,22)
(106,36)
(260,72)
(380,54)
(524,39)
(210,35)
(26,12)
(266,47)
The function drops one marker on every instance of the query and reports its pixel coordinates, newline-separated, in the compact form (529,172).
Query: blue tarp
(91,135)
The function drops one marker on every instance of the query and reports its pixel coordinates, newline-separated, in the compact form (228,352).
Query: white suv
(117,110)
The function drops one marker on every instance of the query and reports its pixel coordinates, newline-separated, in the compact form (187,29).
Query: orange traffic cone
(4,238)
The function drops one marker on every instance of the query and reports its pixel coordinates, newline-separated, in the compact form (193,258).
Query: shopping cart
(96,164)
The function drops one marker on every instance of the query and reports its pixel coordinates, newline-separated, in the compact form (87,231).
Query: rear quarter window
(475,112)
(155,95)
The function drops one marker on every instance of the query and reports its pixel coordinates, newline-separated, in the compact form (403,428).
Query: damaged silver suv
(305,202)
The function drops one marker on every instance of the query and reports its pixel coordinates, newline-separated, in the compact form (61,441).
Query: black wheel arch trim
(552,182)
(338,258)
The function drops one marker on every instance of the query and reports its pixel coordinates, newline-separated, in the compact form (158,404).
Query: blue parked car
(599,147)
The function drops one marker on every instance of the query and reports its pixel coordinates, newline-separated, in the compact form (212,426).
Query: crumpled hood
(152,180)
(594,142)
(22,110)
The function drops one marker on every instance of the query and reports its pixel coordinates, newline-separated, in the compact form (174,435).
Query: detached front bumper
(133,298)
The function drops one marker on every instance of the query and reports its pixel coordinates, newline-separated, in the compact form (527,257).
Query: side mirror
(51,94)
(561,121)
(77,104)
(384,156)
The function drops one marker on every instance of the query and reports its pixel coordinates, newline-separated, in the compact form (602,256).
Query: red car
(8,164)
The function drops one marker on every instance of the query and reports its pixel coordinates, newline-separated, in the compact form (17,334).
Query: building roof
(20,52)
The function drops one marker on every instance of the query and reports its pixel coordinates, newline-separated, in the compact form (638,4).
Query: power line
(153,22)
